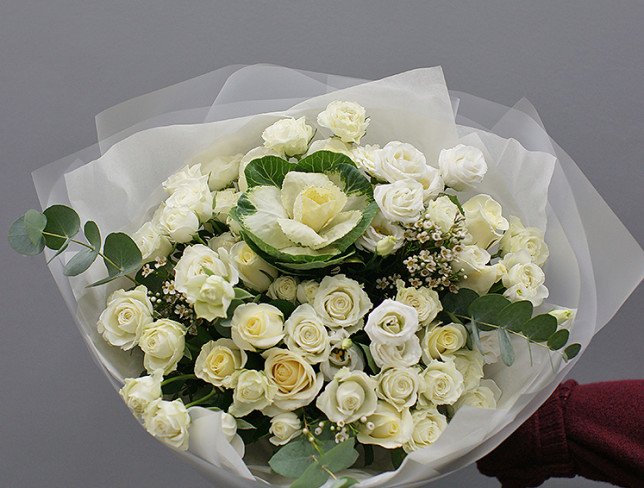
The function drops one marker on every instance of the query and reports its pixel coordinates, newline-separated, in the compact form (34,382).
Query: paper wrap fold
(117,183)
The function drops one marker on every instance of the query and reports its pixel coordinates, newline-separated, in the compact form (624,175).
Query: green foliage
(459,303)
(84,258)
(539,328)
(63,222)
(558,340)
(507,351)
(121,256)
(344,482)
(369,357)
(267,171)
(323,161)
(397,457)
(571,351)
(25,234)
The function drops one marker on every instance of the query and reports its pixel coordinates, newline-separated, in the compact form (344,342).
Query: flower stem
(177,378)
(201,400)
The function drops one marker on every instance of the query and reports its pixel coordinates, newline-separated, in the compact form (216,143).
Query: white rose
(442,212)
(365,157)
(306,291)
(257,326)
(429,424)
(256,273)
(490,347)
(168,422)
(218,360)
(333,144)
(127,314)
(151,243)
(288,136)
(483,396)
(283,288)
(524,280)
(194,195)
(347,120)
(484,220)
(138,393)
(470,364)
(221,170)
(225,200)
(392,322)
(341,303)
(381,230)
(398,386)
(401,201)
(196,265)
(401,355)
(226,240)
(401,161)
(350,396)
(441,340)
(386,427)
(478,276)
(307,336)
(462,167)
(564,316)
(185,175)
(518,237)
(339,358)
(252,391)
(284,428)
(440,384)
(424,300)
(179,224)
(255,153)
(163,343)
(229,429)
(214,298)
(296,381)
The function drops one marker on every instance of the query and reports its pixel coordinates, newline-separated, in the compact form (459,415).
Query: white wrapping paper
(141,142)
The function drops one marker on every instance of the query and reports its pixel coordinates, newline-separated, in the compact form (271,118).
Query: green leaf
(397,457)
(121,256)
(474,337)
(571,351)
(344,482)
(515,315)
(267,171)
(312,477)
(323,162)
(83,259)
(454,199)
(241,294)
(62,221)
(507,351)
(92,234)
(293,459)
(244,425)
(340,457)
(558,340)
(540,328)
(25,234)
(186,352)
(487,309)
(370,361)
(284,306)
(459,303)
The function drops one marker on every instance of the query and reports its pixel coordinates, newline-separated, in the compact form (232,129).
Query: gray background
(61,62)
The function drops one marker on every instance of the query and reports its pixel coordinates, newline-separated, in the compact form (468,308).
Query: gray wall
(63,61)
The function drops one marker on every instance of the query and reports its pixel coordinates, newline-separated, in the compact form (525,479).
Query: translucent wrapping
(117,183)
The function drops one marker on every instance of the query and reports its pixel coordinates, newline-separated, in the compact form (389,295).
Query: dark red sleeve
(595,431)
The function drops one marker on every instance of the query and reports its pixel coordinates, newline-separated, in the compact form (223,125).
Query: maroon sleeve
(595,431)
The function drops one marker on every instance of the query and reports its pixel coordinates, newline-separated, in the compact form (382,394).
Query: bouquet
(353,290)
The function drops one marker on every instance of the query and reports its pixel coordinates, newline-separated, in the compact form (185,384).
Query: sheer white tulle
(142,141)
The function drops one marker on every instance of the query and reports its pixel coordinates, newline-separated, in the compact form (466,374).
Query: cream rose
(519,237)
(477,275)
(347,120)
(342,357)
(253,270)
(168,422)
(424,300)
(483,396)
(197,263)
(401,201)
(392,322)
(398,386)
(306,291)
(194,195)
(221,170)
(224,201)
(440,384)
(163,343)
(429,424)
(214,298)
(332,144)
(341,303)
(524,280)
(283,288)
(180,224)
(186,175)
(441,340)
(442,212)
(296,381)
(226,240)
(151,243)
(138,393)
(307,336)
(386,427)
(218,361)
(490,347)
(484,220)
(252,391)
(470,364)
(257,326)
(462,167)
(381,233)
(400,355)
(127,314)
(350,396)
(365,157)
(284,428)
(288,136)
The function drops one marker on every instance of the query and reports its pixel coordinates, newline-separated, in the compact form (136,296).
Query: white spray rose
(462,167)
(478,276)
(519,237)
(429,424)
(564,316)
(333,144)
(186,175)
(163,343)
(151,243)
(484,220)
(127,314)
(224,201)
(524,280)
(214,298)
(218,361)
(401,201)
(440,384)
(470,364)
(138,393)
(392,322)
(347,120)
(194,195)
(339,357)
(179,224)
(168,422)
(253,270)
(306,291)
(257,326)
(483,396)
(255,153)
(365,158)
(288,136)
(221,170)
(398,386)
(341,303)
(197,263)
(284,428)
(226,240)
(252,391)
(424,300)
(307,336)
(283,288)
(442,212)
(381,233)
(400,355)
(441,340)
(296,381)
(386,427)
(350,396)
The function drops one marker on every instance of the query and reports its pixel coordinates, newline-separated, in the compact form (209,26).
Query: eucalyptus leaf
(294,458)
(340,457)
(515,315)
(344,482)
(558,340)
(80,262)
(507,351)
(474,335)
(459,303)
(121,256)
(486,309)
(25,234)
(62,221)
(571,351)
(312,477)
(540,327)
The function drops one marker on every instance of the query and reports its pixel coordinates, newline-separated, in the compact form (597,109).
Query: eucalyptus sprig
(56,228)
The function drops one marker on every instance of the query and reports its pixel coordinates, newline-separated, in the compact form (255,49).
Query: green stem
(201,400)
(177,378)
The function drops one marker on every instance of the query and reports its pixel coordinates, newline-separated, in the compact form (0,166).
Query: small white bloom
(519,237)
(381,236)
(462,167)
(127,314)
(341,303)
(365,157)
(347,120)
(564,316)
(193,195)
(400,355)
(387,427)
(180,224)
(288,136)
(398,386)
(423,299)
(257,326)
(306,335)
(401,201)
(138,393)
(524,280)
(214,298)
(441,340)
(163,343)
(440,384)
(349,396)
(339,358)
(151,243)
(283,288)
(168,422)
(284,428)
(256,273)
(306,291)
(218,361)
(392,322)
(429,424)
(224,200)
(252,391)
